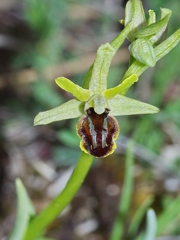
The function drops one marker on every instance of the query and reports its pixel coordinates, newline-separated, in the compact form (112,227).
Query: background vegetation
(39,42)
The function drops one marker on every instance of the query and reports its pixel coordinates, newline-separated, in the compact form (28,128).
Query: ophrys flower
(96,106)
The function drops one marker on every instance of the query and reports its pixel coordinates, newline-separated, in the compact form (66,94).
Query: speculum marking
(98,133)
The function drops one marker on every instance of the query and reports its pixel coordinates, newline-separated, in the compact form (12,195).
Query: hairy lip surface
(98,133)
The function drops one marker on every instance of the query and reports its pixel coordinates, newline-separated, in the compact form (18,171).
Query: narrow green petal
(121,105)
(77,91)
(121,88)
(71,109)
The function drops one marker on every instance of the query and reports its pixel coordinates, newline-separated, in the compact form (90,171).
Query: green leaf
(121,88)
(45,94)
(142,50)
(68,137)
(151,225)
(125,199)
(121,105)
(77,91)
(71,109)
(169,215)
(137,218)
(25,211)
(65,156)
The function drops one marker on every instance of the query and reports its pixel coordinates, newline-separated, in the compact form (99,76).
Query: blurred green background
(41,40)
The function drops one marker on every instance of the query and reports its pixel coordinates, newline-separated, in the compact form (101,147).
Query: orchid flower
(94,104)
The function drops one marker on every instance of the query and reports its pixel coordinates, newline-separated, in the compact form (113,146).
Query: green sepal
(98,82)
(134,13)
(142,50)
(71,109)
(98,102)
(77,91)
(115,44)
(25,210)
(122,88)
(121,105)
(157,28)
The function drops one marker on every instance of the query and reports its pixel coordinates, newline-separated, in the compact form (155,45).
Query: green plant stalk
(124,204)
(118,41)
(41,221)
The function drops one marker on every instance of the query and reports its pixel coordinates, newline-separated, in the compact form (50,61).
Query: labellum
(98,133)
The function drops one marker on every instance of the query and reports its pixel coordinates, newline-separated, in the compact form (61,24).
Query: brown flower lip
(98,133)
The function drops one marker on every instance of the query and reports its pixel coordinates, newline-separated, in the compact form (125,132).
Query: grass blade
(151,225)
(139,216)
(25,211)
(124,204)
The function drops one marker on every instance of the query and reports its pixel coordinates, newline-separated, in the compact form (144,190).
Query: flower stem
(118,41)
(41,221)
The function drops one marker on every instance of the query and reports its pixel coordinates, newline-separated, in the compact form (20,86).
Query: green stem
(40,222)
(118,41)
